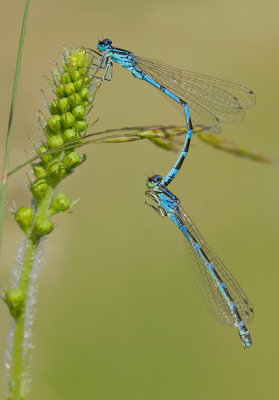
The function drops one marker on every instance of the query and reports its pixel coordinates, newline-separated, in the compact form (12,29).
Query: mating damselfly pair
(207,102)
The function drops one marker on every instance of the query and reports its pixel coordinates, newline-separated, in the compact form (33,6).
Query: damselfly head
(104,44)
(153,181)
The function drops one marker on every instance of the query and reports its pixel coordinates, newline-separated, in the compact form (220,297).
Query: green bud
(69,89)
(85,104)
(60,203)
(48,131)
(72,160)
(67,120)
(79,112)
(53,107)
(57,170)
(54,123)
(84,93)
(39,188)
(60,91)
(15,299)
(46,158)
(86,79)
(73,61)
(70,134)
(39,171)
(81,58)
(66,77)
(55,141)
(43,226)
(75,75)
(80,125)
(24,218)
(63,105)
(79,84)
(74,100)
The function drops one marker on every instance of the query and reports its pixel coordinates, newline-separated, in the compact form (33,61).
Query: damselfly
(218,289)
(211,101)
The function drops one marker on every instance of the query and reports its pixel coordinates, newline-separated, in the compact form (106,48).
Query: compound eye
(104,44)
(153,180)
(156,178)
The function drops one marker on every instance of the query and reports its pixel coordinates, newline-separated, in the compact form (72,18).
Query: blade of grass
(4,179)
(157,135)
(127,134)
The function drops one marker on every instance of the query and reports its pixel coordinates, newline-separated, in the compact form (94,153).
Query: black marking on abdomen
(178,166)
(205,256)
(188,144)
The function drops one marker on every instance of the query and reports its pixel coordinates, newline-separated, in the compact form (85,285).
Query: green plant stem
(19,364)
(4,180)
(19,329)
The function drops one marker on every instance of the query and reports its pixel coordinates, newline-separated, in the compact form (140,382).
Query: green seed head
(60,92)
(54,123)
(79,84)
(46,158)
(39,171)
(72,160)
(15,299)
(79,112)
(80,125)
(74,100)
(86,79)
(55,141)
(74,93)
(57,170)
(85,104)
(43,226)
(70,134)
(84,93)
(24,218)
(76,75)
(66,78)
(39,188)
(53,107)
(69,89)
(79,59)
(67,120)
(60,203)
(63,105)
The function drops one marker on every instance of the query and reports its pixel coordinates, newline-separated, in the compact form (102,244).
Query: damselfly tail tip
(245,337)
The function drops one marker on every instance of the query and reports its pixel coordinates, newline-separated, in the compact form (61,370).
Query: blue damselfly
(206,101)
(218,289)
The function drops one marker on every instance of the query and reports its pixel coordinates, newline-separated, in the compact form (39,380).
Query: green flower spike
(74,89)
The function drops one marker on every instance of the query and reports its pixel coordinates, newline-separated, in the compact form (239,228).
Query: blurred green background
(118,314)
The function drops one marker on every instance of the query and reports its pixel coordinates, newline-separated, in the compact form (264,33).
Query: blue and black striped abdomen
(218,289)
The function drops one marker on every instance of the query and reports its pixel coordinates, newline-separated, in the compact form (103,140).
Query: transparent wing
(208,98)
(207,287)
(200,116)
